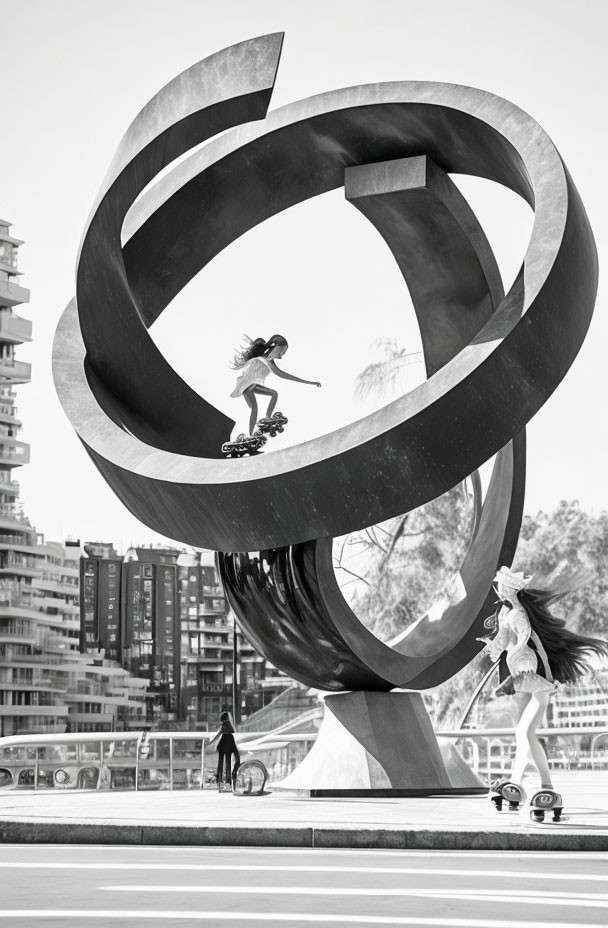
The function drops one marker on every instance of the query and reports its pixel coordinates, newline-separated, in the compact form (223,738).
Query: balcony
(17,638)
(19,543)
(54,602)
(14,521)
(18,570)
(11,294)
(14,329)
(11,607)
(9,558)
(34,710)
(13,452)
(8,415)
(54,586)
(213,591)
(15,371)
(21,686)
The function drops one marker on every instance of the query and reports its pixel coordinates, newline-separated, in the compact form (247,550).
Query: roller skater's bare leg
(253,405)
(272,404)
(527,742)
(266,391)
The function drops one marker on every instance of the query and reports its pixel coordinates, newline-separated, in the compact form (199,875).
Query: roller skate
(507,791)
(546,800)
(272,424)
(244,444)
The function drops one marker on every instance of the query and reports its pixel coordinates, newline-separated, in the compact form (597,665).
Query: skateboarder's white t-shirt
(256,370)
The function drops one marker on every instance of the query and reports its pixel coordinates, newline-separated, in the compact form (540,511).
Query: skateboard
(273,424)
(509,792)
(546,800)
(244,444)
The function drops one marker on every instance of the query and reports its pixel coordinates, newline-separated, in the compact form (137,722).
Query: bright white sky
(76,72)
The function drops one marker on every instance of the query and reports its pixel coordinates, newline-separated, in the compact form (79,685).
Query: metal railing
(105,760)
(489,751)
(138,760)
(176,760)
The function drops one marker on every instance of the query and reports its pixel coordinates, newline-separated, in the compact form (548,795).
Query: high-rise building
(162,613)
(46,684)
(28,683)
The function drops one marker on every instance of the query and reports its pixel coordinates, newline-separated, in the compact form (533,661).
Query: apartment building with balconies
(46,683)
(163,614)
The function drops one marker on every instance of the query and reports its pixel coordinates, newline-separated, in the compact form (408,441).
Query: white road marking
(316,851)
(525,897)
(257,868)
(315,918)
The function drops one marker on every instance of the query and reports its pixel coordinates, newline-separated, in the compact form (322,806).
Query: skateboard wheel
(537,815)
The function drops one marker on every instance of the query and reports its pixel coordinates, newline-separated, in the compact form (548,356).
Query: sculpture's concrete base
(381,744)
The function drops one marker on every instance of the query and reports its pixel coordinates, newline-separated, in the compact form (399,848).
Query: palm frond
(381,376)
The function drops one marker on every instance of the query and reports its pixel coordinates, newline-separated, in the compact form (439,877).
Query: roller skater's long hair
(568,653)
(256,348)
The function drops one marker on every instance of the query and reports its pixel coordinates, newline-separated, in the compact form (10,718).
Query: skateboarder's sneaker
(244,444)
(545,801)
(507,796)
(270,425)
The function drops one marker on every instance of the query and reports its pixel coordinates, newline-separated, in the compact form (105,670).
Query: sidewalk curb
(547,839)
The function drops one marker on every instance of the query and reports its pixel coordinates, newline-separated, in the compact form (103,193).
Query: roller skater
(226,748)
(255,362)
(536,652)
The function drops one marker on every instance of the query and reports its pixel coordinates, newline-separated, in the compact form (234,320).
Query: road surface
(122,886)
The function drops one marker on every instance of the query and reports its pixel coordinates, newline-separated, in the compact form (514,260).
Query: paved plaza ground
(283,819)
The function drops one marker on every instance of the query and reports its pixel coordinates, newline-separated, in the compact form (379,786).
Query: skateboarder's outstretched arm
(277,370)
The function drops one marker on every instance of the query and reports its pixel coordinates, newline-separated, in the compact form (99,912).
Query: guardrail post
(137,744)
(101,759)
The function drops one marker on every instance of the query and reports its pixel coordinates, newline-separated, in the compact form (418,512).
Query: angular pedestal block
(381,744)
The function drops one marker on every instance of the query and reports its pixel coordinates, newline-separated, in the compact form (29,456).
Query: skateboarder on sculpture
(536,652)
(255,362)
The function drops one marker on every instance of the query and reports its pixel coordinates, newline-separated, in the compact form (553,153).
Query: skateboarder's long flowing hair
(257,348)
(568,653)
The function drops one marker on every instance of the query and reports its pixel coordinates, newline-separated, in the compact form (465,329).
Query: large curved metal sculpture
(492,359)
(288,598)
